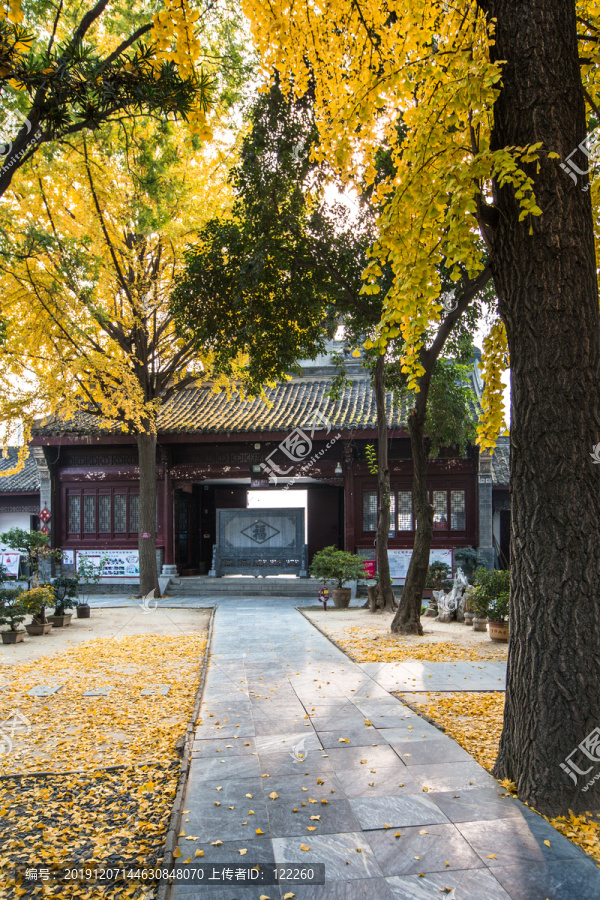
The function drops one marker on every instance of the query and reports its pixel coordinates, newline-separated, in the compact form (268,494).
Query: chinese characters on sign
(117,563)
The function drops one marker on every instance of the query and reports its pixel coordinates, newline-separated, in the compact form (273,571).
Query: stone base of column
(169,570)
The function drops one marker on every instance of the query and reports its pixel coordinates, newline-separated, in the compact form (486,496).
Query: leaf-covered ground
(368,645)
(89,815)
(474,720)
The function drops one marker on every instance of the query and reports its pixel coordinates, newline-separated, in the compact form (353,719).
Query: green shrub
(438,576)
(12,611)
(65,591)
(35,602)
(331,564)
(465,558)
(491,594)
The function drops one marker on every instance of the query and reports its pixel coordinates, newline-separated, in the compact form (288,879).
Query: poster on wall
(118,563)
(370,567)
(10,560)
(400,559)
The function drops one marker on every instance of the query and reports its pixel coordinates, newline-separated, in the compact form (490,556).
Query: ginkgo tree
(65,69)
(495,99)
(85,279)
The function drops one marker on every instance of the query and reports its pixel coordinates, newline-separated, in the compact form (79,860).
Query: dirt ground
(350,626)
(89,769)
(106,623)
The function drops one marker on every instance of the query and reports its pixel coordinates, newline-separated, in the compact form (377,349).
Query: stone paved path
(438,676)
(277,690)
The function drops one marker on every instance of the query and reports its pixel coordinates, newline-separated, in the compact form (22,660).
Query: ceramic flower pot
(341,597)
(44,628)
(498,632)
(12,637)
(83,611)
(61,621)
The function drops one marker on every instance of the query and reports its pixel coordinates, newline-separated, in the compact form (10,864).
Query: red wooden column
(349,538)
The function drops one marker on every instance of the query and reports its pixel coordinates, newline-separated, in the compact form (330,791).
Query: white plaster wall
(15,520)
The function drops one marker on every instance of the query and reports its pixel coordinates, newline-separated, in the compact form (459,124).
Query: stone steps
(243,587)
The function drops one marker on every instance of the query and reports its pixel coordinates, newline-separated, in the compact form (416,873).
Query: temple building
(300,448)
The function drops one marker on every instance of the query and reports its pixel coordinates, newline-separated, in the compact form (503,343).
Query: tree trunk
(408,618)
(384,592)
(147,519)
(545,274)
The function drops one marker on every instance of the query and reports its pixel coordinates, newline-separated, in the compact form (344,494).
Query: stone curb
(186,743)
(395,694)
(328,636)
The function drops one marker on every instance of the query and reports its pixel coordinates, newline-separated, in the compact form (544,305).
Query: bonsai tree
(34,546)
(86,575)
(331,564)
(466,558)
(35,602)
(64,590)
(12,611)
(492,594)
(439,575)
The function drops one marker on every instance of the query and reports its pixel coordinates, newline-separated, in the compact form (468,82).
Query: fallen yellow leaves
(89,820)
(365,645)
(70,731)
(79,813)
(474,720)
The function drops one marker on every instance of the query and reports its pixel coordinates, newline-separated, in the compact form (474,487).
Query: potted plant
(339,566)
(438,578)
(12,613)
(34,546)
(466,558)
(498,610)
(35,601)
(65,591)
(491,598)
(86,575)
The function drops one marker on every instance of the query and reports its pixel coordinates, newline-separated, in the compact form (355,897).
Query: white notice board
(400,559)
(119,563)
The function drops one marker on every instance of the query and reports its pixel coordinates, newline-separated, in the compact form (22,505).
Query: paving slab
(284,718)
(44,690)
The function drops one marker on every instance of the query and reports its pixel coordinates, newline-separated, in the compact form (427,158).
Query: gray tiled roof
(501,462)
(296,403)
(300,402)
(26,480)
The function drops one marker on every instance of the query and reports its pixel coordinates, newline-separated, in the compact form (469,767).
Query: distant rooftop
(501,462)
(24,481)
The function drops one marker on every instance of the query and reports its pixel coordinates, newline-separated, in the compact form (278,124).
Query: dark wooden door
(505,534)
(235,497)
(324,518)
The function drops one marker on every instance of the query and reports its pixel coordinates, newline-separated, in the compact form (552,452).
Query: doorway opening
(280,499)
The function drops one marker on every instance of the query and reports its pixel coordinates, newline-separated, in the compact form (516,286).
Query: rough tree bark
(545,275)
(408,618)
(147,517)
(384,594)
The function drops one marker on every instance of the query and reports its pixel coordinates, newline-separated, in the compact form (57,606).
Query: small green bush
(12,610)
(491,594)
(438,576)
(331,564)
